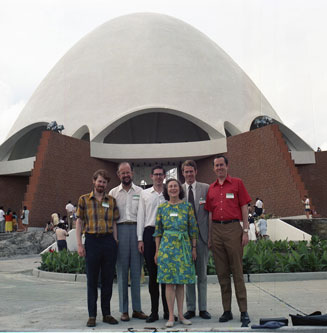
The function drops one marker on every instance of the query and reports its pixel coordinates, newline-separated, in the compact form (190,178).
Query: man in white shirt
(127,197)
(150,199)
(2,220)
(70,212)
(258,208)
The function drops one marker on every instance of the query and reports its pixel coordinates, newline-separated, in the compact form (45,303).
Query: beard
(127,181)
(100,189)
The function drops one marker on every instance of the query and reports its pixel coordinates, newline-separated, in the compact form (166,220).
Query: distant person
(24,217)
(262,225)
(14,222)
(55,218)
(8,218)
(250,209)
(61,234)
(307,207)
(64,221)
(74,216)
(252,231)
(258,208)
(70,214)
(2,220)
(48,227)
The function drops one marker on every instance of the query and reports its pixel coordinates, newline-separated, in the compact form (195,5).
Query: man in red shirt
(227,202)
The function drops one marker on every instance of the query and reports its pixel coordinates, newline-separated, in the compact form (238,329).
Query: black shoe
(189,314)
(166,316)
(245,319)
(204,315)
(152,318)
(227,315)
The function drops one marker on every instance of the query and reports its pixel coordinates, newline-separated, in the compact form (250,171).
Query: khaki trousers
(227,251)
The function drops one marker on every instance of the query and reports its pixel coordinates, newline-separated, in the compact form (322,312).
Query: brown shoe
(109,320)
(91,322)
(139,315)
(124,317)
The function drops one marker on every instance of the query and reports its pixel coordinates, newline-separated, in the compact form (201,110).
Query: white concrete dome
(144,79)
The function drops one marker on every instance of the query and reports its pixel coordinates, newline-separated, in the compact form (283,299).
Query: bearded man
(127,196)
(97,214)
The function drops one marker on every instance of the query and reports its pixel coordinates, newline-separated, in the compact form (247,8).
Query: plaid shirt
(97,216)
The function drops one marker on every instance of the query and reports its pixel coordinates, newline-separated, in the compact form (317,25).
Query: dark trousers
(62,245)
(101,256)
(149,252)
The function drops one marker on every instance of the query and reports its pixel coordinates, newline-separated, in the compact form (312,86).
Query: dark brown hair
(158,167)
(103,173)
(165,191)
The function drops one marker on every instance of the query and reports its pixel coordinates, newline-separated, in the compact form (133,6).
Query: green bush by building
(262,256)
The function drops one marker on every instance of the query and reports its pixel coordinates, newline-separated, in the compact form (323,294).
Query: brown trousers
(227,251)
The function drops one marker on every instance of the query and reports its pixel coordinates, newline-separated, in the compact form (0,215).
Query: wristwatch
(246,230)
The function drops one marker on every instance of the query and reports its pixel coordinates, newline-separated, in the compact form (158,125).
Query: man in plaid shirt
(97,214)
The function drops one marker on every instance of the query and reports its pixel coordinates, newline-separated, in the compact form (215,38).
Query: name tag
(136,197)
(173,214)
(202,201)
(229,195)
(105,204)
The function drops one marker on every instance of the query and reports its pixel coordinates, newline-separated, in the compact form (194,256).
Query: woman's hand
(156,258)
(194,253)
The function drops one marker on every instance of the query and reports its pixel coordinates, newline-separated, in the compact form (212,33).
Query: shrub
(263,256)
(63,262)
(285,256)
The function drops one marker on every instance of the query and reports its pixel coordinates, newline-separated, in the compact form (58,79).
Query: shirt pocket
(135,203)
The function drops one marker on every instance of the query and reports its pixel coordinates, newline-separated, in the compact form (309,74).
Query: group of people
(172,226)
(9,220)
(257,221)
(67,221)
(257,227)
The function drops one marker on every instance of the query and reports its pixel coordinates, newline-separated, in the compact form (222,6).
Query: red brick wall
(12,189)
(62,171)
(261,159)
(315,179)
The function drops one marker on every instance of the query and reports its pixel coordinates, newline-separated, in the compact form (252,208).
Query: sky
(280,44)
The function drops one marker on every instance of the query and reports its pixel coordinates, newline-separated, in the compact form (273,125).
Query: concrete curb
(281,277)
(212,279)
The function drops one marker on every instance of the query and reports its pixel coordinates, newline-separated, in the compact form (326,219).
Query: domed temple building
(151,89)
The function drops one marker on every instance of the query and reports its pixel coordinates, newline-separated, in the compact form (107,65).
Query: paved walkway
(29,303)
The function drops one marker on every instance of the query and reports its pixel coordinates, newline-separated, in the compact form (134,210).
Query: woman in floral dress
(176,234)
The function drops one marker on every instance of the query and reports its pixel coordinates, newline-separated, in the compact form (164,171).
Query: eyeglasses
(158,174)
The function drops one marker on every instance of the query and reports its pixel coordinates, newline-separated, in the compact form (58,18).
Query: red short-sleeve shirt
(225,201)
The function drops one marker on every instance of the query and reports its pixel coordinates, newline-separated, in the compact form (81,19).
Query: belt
(98,235)
(127,222)
(184,238)
(225,222)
